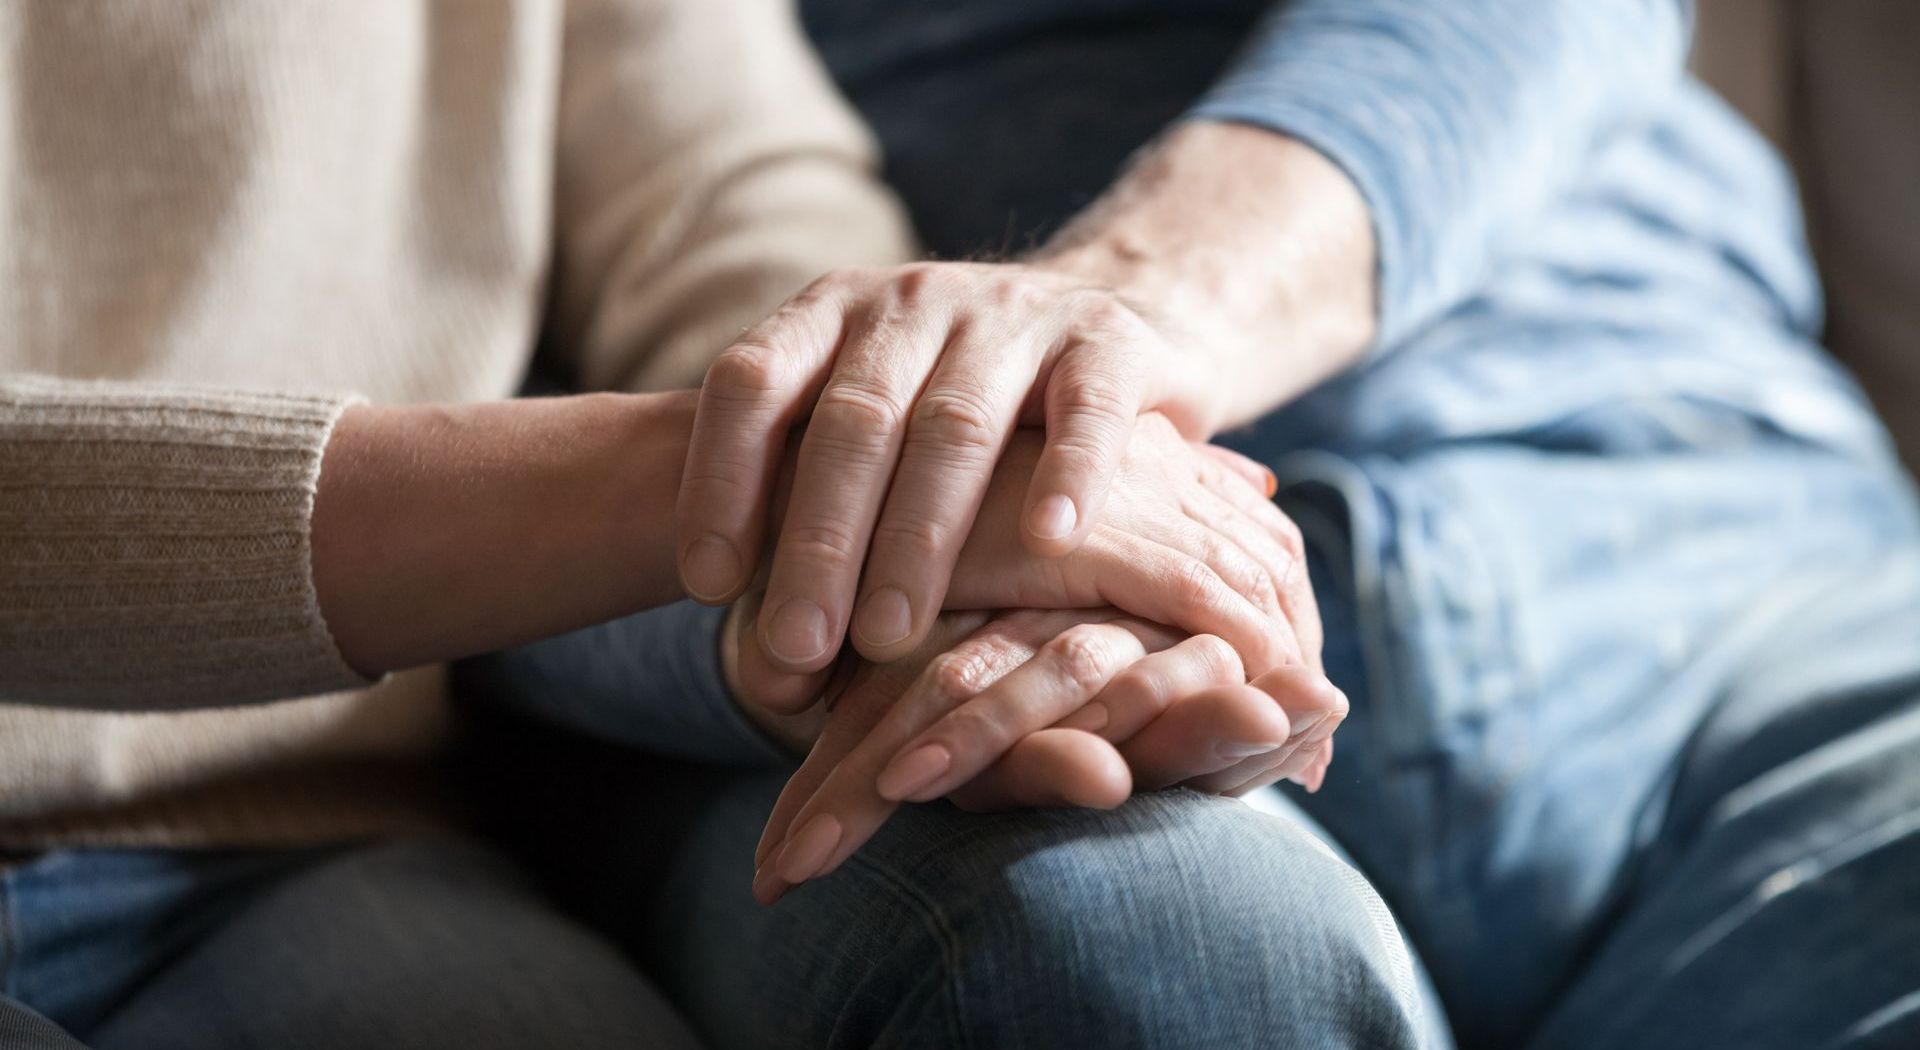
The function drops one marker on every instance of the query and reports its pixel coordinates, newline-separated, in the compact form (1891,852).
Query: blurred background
(1836,85)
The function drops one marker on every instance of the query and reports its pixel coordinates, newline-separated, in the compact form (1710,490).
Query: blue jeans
(1634,761)
(432,942)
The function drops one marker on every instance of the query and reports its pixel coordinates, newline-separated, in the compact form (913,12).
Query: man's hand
(1189,540)
(1228,272)
(914,378)
(1037,709)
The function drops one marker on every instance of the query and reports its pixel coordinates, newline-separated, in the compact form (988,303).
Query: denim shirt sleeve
(1457,119)
(651,681)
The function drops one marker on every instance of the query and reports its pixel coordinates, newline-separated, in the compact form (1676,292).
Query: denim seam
(932,916)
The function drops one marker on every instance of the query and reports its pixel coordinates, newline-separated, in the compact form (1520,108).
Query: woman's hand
(1189,540)
(915,378)
(1039,708)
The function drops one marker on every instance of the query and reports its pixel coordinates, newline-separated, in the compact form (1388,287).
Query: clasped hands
(1043,618)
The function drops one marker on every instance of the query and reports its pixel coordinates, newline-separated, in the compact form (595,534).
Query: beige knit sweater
(222,220)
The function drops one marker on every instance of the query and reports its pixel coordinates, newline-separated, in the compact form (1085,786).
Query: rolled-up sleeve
(1458,121)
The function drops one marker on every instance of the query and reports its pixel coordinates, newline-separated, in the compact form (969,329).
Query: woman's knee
(434,942)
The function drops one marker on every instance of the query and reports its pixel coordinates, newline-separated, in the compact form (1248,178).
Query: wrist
(440,531)
(644,470)
(1241,244)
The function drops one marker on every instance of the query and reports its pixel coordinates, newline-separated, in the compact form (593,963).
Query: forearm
(1350,178)
(440,531)
(1459,121)
(1254,252)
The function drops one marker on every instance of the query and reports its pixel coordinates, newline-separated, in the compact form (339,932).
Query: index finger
(857,698)
(750,398)
(824,820)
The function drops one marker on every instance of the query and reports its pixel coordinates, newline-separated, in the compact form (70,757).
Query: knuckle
(749,370)
(1021,292)
(825,543)
(1153,689)
(857,413)
(1091,392)
(983,726)
(1081,656)
(960,674)
(956,419)
(828,284)
(918,539)
(916,282)
(706,490)
(1221,660)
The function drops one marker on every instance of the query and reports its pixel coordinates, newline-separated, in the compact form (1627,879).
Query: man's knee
(1177,920)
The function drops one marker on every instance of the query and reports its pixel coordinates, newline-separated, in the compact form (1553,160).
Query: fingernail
(885,617)
(767,886)
(809,850)
(797,632)
(1234,752)
(1052,518)
(1089,719)
(1273,484)
(710,569)
(909,773)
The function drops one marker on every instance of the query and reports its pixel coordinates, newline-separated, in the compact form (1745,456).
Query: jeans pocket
(1417,619)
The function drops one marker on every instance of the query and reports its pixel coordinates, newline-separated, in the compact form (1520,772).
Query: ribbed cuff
(154,545)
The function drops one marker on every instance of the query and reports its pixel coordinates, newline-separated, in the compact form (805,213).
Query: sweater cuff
(154,545)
